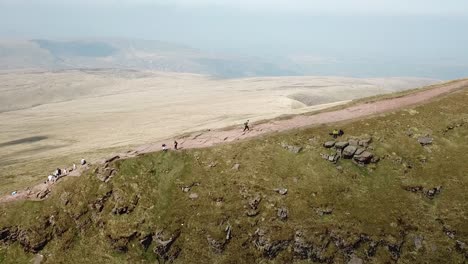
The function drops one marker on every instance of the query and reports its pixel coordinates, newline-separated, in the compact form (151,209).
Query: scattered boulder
(146,240)
(282,213)
(294,149)
(251,213)
(375,159)
(341,144)
(324,211)
(418,242)
(236,166)
(254,202)
(270,249)
(193,196)
(425,141)
(282,191)
(431,193)
(164,248)
(329,144)
(355,260)
(349,151)
(216,246)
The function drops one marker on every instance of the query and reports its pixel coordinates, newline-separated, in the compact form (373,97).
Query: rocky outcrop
(292,149)
(355,149)
(269,248)
(165,249)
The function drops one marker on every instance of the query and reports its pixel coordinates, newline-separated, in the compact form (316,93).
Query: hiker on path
(83,162)
(50,178)
(175,144)
(74,166)
(246,126)
(164,147)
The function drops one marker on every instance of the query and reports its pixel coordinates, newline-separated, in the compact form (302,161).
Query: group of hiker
(53,177)
(176,144)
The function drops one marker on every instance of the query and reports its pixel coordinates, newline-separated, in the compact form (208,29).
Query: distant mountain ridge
(130,54)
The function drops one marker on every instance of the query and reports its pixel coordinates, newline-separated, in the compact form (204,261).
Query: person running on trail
(246,126)
(175,144)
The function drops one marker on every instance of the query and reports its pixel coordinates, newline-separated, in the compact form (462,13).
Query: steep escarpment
(391,189)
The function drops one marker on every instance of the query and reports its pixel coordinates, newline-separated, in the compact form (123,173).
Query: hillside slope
(272,199)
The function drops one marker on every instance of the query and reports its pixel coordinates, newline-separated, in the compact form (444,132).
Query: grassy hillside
(198,206)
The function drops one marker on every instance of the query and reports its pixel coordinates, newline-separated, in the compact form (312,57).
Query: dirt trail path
(214,137)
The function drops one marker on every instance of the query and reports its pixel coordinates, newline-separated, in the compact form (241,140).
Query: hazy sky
(429,30)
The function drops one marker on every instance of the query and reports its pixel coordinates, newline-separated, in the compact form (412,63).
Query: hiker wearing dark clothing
(337,133)
(246,126)
(175,144)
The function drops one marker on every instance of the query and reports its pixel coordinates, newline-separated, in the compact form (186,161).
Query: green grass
(365,200)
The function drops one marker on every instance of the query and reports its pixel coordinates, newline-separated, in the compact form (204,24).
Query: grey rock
(282,191)
(254,202)
(329,144)
(251,213)
(418,242)
(355,260)
(353,142)
(236,166)
(324,211)
(349,151)
(364,157)
(431,193)
(193,196)
(341,145)
(375,159)
(425,141)
(294,149)
(359,151)
(365,142)
(282,213)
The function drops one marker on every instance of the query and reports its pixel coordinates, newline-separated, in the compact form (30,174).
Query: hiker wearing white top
(83,161)
(49,178)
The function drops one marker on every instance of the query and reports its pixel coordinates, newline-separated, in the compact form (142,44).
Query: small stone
(355,260)
(281,191)
(236,166)
(251,213)
(353,142)
(283,213)
(193,196)
(418,242)
(425,141)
